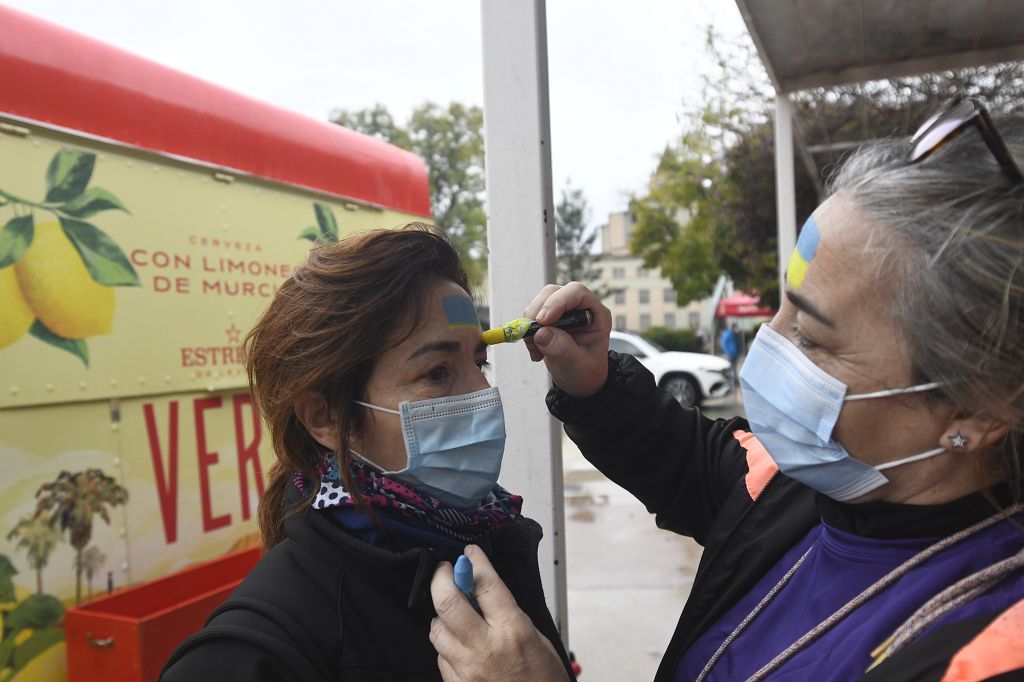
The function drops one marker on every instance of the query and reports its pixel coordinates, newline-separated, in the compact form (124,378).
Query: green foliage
(40,613)
(327,225)
(40,641)
(77,347)
(68,174)
(72,501)
(7,573)
(450,142)
(38,538)
(710,207)
(92,201)
(104,259)
(36,612)
(674,227)
(15,239)
(674,339)
(574,239)
(69,199)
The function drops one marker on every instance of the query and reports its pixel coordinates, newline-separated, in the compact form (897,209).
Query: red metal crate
(129,635)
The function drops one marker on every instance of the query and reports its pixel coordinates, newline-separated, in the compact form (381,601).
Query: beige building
(643,298)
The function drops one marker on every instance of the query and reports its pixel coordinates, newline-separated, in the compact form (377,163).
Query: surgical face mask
(454,445)
(792,406)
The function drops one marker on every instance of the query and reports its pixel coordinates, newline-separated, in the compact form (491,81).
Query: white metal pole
(521,260)
(785,183)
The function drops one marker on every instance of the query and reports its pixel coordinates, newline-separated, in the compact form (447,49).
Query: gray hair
(955,225)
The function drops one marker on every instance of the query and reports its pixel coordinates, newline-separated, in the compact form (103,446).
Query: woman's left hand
(500,646)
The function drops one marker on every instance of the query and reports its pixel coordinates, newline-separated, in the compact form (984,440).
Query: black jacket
(692,473)
(324,606)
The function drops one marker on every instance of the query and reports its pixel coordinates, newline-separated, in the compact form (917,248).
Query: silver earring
(959,440)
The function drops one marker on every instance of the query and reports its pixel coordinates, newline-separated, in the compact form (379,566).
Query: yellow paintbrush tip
(493,336)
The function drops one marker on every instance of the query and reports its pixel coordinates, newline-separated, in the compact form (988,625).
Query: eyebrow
(806,306)
(436,347)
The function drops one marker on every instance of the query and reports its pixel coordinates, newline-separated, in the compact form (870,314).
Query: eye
(802,341)
(438,374)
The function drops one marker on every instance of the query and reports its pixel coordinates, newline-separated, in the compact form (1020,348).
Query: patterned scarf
(385,493)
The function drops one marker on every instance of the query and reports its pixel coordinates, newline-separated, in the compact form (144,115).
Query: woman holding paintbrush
(865,521)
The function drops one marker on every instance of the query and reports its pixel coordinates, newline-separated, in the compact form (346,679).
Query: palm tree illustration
(88,562)
(37,536)
(71,501)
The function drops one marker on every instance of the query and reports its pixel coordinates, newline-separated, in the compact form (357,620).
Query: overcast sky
(619,71)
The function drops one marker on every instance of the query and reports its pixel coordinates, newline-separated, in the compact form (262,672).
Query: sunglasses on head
(953,119)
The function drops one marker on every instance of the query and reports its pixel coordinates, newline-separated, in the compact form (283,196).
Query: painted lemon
(15,314)
(60,290)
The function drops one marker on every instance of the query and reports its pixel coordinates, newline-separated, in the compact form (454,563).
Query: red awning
(742,305)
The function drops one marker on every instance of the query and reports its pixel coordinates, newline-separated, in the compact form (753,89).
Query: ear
(312,412)
(972,433)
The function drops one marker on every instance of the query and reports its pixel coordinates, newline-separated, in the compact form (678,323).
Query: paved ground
(627,580)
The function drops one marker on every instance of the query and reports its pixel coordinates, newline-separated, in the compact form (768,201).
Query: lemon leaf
(68,174)
(92,201)
(76,347)
(310,233)
(325,219)
(15,239)
(104,259)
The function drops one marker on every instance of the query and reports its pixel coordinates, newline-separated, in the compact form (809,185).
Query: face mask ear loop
(895,391)
(908,460)
(375,407)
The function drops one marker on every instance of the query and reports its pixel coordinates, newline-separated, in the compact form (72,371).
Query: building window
(620,322)
(618,273)
(670,320)
(645,322)
(620,297)
(668,295)
(694,320)
(645,295)
(641,272)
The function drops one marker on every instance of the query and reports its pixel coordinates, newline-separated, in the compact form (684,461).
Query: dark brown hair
(323,332)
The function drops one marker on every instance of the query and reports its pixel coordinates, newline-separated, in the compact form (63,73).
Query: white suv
(689,377)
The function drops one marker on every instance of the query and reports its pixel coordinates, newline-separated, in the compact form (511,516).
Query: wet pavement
(627,580)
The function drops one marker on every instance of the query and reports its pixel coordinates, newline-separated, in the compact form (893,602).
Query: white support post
(785,184)
(521,242)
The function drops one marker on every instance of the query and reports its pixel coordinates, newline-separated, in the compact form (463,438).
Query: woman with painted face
(368,370)
(864,521)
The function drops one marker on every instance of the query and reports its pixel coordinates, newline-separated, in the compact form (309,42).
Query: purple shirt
(840,565)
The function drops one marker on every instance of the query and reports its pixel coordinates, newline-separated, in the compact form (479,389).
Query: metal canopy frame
(806,44)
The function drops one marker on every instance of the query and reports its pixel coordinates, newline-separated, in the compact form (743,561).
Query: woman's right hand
(577,360)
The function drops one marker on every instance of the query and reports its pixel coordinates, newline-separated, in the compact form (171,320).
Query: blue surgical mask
(792,406)
(454,445)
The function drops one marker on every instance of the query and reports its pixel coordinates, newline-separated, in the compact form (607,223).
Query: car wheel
(683,389)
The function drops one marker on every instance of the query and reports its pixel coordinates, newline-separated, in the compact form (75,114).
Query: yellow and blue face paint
(460,312)
(806,246)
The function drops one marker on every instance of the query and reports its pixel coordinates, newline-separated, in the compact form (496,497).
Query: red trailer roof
(56,76)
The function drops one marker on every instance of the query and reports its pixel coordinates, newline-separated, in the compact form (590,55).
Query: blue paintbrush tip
(464,575)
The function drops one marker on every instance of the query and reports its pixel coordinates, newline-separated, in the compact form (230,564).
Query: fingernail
(543,314)
(542,338)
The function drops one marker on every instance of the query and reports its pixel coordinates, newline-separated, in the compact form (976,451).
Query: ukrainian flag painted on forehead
(460,312)
(806,246)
